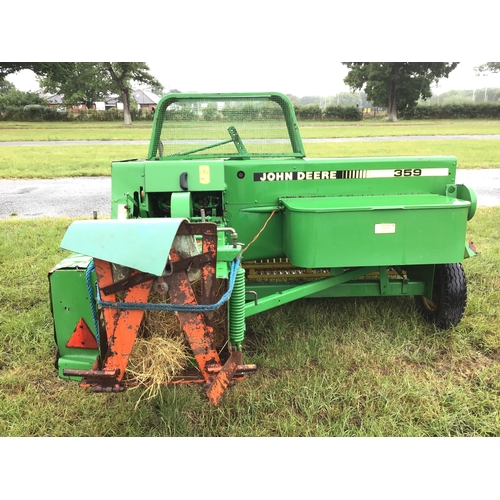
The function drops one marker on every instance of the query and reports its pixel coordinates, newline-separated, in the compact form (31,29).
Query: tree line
(87,83)
(396,86)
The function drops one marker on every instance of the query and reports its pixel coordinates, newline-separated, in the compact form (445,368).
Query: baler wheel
(449,296)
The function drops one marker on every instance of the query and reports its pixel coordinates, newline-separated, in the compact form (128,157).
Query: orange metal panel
(104,276)
(122,339)
(198,334)
(121,325)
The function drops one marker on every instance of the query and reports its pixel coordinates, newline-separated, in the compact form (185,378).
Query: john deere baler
(226,195)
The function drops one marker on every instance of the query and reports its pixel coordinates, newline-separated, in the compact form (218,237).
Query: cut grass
(72,161)
(311,130)
(343,367)
(84,131)
(45,162)
(48,162)
(78,131)
(471,154)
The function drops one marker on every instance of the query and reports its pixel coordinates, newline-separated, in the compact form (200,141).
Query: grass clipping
(161,351)
(155,361)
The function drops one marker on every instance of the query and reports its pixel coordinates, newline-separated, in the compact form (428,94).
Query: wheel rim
(430,305)
(433,304)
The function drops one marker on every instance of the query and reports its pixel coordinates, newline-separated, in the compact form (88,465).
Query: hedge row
(110,115)
(303,112)
(32,114)
(314,112)
(343,113)
(247,112)
(426,112)
(41,113)
(251,112)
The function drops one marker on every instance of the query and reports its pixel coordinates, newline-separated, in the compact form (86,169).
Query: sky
(257,45)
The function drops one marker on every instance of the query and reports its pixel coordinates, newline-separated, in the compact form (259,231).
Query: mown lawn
(105,131)
(344,367)
(45,162)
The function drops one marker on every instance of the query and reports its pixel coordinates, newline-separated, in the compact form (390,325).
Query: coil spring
(237,309)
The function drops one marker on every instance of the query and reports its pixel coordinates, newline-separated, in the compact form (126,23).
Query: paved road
(75,197)
(72,197)
(81,196)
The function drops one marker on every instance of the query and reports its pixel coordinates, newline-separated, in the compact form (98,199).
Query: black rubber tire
(449,297)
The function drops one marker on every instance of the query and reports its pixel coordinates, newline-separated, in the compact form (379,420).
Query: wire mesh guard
(208,128)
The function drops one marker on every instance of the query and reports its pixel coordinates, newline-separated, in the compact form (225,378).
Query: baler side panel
(253,190)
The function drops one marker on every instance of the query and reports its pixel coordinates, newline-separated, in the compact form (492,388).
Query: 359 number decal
(408,172)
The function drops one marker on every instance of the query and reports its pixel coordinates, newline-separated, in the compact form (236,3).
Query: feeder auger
(223,169)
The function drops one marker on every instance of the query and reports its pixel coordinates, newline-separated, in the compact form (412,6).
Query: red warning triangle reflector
(82,337)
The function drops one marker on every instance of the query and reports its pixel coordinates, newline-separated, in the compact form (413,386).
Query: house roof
(52,99)
(142,96)
(112,99)
(145,97)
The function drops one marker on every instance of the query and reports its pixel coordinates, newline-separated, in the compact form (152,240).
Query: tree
(56,70)
(346,99)
(293,98)
(12,97)
(310,99)
(489,67)
(7,69)
(396,85)
(79,83)
(122,74)
(5,86)
(15,98)
(210,112)
(114,77)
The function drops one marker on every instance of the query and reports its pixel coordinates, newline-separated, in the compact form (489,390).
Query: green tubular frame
(301,291)
(281,99)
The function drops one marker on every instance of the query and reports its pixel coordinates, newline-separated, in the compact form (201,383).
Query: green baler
(226,193)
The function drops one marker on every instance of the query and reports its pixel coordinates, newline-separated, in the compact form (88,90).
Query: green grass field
(72,161)
(106,131)
(44,162)
(344,367)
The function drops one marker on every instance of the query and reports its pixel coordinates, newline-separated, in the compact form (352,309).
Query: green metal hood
(142,244)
